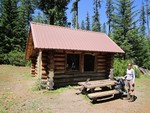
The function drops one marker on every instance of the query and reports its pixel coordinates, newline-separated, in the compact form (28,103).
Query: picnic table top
(97,83)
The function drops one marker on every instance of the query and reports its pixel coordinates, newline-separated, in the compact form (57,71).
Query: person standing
(130,83)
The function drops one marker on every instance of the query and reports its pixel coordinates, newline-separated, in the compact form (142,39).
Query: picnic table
(92,85)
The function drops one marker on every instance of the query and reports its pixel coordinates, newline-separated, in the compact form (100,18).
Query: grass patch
(57,91)
(3,111)
(27,76)
(10,103)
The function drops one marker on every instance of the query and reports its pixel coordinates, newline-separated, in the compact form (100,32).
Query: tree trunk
(51,19)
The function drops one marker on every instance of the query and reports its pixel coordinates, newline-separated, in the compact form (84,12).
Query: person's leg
(127,87)
(132,92)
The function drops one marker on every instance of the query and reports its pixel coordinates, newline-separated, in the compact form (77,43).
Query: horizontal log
(59,51)
(44,72)
(101,64)
(44,77)
(59,72)
(44,64)
(45,54)
(101,56)
(101,67)
(101,60)
(45,59)
(79,79)
(104,62)
(32,70)
(60,68)
(79,75)
(59,55)
(73,52)
(59,63)
(59,59)
(101,70)
(102,94)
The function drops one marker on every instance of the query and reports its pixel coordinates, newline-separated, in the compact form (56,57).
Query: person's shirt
(130,74)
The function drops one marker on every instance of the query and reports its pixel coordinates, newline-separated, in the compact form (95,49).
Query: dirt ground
(17,95)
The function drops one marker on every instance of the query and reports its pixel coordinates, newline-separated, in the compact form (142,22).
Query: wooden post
(39,65)
(51,71)
(95,63)
(82,63)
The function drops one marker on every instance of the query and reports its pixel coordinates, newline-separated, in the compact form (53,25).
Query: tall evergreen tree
(109,13)
(140,51)
(82,25)
(87,21)
(124,22)
(142,20)
(9,24)
(75,13)
(29,5)
(148,16)
(8,28)
(55,10)
(74,20)
(104,28)
(96,26)
(25,10)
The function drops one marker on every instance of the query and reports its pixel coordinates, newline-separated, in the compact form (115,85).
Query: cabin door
(89,62)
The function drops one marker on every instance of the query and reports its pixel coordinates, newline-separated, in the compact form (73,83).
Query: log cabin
(67,56)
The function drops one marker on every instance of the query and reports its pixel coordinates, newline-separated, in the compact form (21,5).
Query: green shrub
(137,73)
(37,85)
(120,67)
(16,58)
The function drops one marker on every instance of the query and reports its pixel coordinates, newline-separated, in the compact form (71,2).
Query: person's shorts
(129,85)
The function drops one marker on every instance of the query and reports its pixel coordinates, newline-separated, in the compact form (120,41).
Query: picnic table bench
(92,85)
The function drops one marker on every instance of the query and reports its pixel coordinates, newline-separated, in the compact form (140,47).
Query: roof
(56,37)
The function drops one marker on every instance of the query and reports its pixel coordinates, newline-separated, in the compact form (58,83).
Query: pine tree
(82,25)
(96,26)
(75,13)
(25,10)
(55,10)
(140,51)
(109,13)
(104,28)
(87,21)
(148,16)
(124,22)
(9,20)
(74,20)
(29,5)
(142,20)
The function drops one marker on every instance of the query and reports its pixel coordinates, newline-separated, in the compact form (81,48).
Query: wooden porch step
(101,94)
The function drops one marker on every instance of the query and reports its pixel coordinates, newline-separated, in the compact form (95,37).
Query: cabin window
(73,62)
(89,62)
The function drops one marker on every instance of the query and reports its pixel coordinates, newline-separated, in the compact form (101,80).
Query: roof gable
(56,37)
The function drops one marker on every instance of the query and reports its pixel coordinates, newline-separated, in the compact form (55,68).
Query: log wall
(59,62)
(53,65)
(45,65)
(102,67)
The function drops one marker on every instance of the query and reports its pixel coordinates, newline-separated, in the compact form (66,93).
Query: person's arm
(133,72)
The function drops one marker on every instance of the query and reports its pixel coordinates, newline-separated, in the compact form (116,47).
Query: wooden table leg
(84,90)
(92,90)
